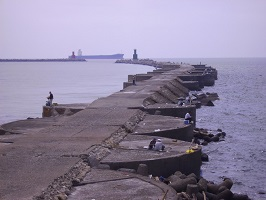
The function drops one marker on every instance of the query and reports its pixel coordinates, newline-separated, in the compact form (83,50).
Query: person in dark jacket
(152,144)
(50,98)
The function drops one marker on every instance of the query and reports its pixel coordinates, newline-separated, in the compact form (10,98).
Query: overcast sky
(156,28)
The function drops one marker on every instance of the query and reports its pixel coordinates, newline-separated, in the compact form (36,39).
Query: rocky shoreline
(102,146)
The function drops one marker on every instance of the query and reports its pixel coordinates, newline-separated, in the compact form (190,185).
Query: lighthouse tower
(135,55)
(79,52)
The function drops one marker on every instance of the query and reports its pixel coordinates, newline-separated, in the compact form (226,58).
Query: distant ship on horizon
(80,56)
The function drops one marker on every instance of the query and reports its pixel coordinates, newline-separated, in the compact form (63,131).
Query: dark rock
(192,175)
(181,185)
(192,189)
(202,184)
(76,182)
(212,188)
(209,103)
(196,141)
(219,134)
(199,196)
(204,157)
(197,135)
(198,104)
(228,183)
(179,196)
(211,196)
(226,194)
(142,170)
(210,135)
(173,178)
(204,143)
(204,131)
(182,176)
(196,129)
(222,188)
(215,139)
(207,139)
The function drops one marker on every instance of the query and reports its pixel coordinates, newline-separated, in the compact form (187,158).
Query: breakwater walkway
(92,151)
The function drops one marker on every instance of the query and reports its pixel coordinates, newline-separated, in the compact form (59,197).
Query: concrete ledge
(132,151)
(171,110)
(63,109)
(164,126)
(100,184)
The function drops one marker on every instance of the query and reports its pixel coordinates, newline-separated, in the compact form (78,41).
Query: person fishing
(50,99)
(188,117)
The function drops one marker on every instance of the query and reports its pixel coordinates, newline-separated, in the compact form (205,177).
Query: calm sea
(240,112)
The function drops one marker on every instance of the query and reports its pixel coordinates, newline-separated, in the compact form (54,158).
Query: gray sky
(156,28)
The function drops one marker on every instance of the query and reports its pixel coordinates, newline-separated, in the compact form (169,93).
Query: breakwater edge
(148,100)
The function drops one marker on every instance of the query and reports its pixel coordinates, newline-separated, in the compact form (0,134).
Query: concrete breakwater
(100,149)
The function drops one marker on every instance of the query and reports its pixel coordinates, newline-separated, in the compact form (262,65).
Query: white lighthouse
(79,52)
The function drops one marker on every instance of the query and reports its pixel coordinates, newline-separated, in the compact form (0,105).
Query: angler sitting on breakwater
(188,117)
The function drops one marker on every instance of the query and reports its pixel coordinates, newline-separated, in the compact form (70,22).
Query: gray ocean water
(240,112)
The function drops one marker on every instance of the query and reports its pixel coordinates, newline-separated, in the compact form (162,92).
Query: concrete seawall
(62,150)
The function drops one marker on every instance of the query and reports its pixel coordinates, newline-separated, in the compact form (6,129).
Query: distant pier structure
(73,55)
(135,55)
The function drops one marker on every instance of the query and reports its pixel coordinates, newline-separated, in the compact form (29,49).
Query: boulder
(209,103)
(199,196)
(173,178)
(192,175)
(181,185)
(204,157)
(211,196)
(215,138)
(142,170)
(222,188)
(228,183)
(226,194)
(212,188)
(192,189)
(202,184)
(207,139)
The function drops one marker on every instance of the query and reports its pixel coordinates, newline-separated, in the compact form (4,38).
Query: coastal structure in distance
(43,60)
(80,56)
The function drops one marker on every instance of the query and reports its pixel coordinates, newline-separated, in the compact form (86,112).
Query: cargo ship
(80,56)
